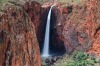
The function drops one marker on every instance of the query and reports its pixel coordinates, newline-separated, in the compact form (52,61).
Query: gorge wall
(82,28)
(73,27)
(18,41)
(38,16)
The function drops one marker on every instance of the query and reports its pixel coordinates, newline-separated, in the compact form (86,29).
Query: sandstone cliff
(18,41)
(74,27)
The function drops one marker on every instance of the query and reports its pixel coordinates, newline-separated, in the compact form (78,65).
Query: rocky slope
(18,42)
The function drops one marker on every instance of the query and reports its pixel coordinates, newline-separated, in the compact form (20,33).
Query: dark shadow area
(56,46)
(2,36)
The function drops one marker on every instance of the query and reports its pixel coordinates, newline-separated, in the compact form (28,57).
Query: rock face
(35,12)
(93,24)
(75,27)
(38,16)
(33,9)
(82,27)
(72,28)
(18,42)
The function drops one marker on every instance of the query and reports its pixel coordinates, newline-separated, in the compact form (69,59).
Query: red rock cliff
(82,27)
(18,41)
(77,27)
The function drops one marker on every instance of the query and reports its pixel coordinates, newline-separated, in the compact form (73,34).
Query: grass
(69,1)
(3,2)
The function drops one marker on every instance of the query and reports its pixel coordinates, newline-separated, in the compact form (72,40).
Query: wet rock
(60,57)
(53,60)
(47,61)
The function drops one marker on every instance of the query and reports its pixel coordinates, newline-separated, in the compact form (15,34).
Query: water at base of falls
(47,33)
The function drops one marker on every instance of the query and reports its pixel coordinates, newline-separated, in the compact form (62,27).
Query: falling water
(47,33)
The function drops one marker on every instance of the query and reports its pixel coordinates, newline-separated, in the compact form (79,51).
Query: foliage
(81,59)
(78,58)
(2,3)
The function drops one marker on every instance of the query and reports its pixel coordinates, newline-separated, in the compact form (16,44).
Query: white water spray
(47,33)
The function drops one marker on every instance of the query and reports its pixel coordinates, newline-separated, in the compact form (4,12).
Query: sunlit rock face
(33,9)
(38,17)
(35,13)
(82,28)
(18,41)
(93,25)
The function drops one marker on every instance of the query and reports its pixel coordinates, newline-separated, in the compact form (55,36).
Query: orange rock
(18,41)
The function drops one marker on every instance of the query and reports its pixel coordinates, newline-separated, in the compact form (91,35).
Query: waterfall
(47,33)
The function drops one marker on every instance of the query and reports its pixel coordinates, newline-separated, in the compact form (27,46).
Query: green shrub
(81,59)
(78,58)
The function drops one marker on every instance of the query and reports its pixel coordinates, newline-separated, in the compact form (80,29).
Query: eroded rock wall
(82,28)
(18,41)
(38,17)
(75,27)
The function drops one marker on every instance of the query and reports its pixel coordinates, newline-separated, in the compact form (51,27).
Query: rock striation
(18,41)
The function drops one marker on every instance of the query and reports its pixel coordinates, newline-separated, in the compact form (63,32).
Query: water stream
(47,34)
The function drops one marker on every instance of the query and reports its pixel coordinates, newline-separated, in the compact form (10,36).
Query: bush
(81,59)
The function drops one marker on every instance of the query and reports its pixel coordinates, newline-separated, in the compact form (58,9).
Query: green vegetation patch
(3,2)
(79,59)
